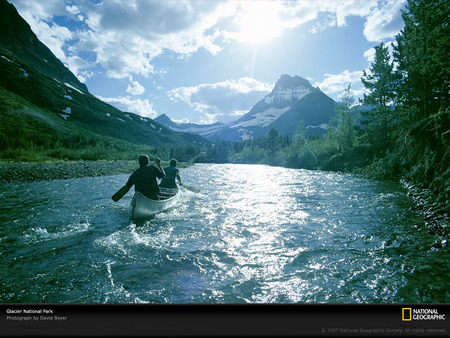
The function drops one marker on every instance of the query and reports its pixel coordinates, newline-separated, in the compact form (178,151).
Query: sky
(211,61)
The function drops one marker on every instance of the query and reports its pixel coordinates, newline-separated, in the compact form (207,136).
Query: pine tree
(422,54)
(380,82)
(272,141)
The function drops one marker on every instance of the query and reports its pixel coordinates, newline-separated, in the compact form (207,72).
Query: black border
(223,320)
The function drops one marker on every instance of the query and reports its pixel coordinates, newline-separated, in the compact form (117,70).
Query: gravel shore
(22,171)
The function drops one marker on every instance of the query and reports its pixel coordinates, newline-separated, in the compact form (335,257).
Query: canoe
(143,207)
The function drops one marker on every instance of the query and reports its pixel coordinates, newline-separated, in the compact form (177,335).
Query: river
(254,234)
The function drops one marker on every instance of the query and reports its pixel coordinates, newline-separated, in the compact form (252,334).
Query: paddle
(188,187)
(120,193)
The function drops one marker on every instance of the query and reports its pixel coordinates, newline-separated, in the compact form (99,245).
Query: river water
(255,234)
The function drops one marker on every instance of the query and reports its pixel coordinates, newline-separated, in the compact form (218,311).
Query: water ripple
(255,234)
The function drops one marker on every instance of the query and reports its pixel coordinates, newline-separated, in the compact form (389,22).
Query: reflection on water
(255,234)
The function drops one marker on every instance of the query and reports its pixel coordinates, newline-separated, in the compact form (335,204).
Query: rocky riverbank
(22,171)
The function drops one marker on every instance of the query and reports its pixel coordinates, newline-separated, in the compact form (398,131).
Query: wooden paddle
(188,187)
(120,193)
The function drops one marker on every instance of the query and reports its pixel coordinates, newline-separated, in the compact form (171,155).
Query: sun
(258,22)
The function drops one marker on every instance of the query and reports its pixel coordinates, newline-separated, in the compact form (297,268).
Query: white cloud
(127,36)
(385,21)
(74,10)
(75,64)
(137,106)
(344,9)
(335,83)
(222,99)
(135,88)
(120,58)
(327,13)
(383,18)
(124,37)
(323,23)
(43,10)
(208,118)
(370,53)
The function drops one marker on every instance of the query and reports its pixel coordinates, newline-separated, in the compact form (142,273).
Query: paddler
(144,178)
(172,174)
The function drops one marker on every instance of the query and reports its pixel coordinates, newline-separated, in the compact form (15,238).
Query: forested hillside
(46,113)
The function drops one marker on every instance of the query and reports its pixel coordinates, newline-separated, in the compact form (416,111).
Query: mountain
(43,102)
(315,109)
(166,121)
(204,130)
(292,101)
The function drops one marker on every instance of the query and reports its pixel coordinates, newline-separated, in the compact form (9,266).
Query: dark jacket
(144,180)
(169,180)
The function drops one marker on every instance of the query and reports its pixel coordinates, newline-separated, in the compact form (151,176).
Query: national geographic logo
(410,314)
(406,314)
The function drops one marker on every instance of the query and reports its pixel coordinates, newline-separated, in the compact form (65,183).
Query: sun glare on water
(258,22)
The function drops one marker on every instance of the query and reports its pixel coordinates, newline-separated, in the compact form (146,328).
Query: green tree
(380,82)
(297,154)
(220,152)
(422,55)
(342,126)
(272,142)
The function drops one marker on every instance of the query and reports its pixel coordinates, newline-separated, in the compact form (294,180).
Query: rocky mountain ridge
(292,101)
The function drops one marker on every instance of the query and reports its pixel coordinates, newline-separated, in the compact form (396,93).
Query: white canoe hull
(143,207)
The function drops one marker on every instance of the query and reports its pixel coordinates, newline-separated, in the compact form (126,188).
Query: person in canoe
(144,178)
(172,175)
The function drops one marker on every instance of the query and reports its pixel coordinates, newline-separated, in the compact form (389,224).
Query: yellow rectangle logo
(406,314)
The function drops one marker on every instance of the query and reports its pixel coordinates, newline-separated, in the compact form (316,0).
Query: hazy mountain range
(291,101)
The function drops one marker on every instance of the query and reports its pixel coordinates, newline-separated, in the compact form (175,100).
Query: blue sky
(208,61)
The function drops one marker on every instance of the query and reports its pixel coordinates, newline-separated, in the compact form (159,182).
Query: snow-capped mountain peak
(288,89)
(287,95)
